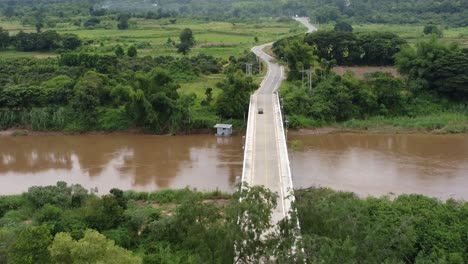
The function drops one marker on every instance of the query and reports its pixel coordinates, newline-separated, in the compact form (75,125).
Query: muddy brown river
(138,162)
(434,165)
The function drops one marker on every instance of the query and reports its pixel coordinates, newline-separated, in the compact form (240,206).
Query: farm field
(150,37)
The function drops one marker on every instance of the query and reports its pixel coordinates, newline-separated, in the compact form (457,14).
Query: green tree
(103,213)
(187,41)
(123,21)
(119,51)
(86,98)
(432,29)
(343,26)
(9,11)
(4,38)
(31,246)
(450,76)
(208,97)
(233,102)
(132,52)
(71,41)
(92,248)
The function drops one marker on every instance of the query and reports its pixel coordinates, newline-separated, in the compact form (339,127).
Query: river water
(375,164)
(138,162)
(434,165)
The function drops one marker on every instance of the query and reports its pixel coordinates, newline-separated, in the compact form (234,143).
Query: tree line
(433,77)
(41,41)
(322,11)
(84,91)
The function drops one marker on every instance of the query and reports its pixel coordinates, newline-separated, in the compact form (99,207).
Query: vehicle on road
(260,110)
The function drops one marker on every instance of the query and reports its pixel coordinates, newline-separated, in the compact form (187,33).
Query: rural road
(267,165)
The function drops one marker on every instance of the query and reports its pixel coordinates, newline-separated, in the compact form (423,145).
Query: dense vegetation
(40,41)
(374,11)
(83,91)
(430,95)
(341,228)
(67,224)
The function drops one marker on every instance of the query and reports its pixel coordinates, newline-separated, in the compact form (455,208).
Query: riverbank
(437,123)
(17,132)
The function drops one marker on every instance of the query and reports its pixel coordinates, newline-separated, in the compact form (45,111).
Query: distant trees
(432,29)
(346,48)
(438,66)
(132,52)
(71,41)
(343,26)
(4,38)
(92,22)
(43,41)
(187,41)
(122,21)
(119,51)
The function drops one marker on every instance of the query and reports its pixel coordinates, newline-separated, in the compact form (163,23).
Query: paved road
(305,22)
(266,161)
(269,165)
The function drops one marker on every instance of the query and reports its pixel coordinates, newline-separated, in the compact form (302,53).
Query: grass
(443,123)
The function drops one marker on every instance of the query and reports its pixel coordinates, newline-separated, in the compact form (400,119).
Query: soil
(361,71)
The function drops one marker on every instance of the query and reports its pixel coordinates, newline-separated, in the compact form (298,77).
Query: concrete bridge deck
(266,160)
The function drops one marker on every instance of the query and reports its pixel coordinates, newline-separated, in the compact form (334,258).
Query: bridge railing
(248,144)
(286,177)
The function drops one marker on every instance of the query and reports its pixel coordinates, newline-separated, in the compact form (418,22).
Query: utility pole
(303,71)
(309,76)
(248,69)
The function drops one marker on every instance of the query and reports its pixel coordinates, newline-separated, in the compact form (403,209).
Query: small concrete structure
(223,129)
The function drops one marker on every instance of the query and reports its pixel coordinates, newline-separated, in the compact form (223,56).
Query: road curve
(305,22)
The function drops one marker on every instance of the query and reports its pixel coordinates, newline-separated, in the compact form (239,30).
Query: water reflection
(123,161)
(435,165)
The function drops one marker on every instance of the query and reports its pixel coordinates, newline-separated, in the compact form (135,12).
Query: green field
(219,39)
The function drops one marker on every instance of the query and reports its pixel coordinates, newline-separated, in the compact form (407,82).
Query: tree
(9,11)
(92,248)
(432,29)
(208,97)
(4,38)
(132,52)
(123,21)
(102,214)
(119,51)
(31,246)
(86,98)
(417,61)
(343,27)
(450,76)
(71,41)
(187,41)
(233,102)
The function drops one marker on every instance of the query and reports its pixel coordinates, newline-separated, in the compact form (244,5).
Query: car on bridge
(260,110)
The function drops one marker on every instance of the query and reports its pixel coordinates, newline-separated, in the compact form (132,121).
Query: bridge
(266,160)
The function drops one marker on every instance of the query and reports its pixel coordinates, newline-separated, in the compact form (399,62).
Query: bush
(115,119)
